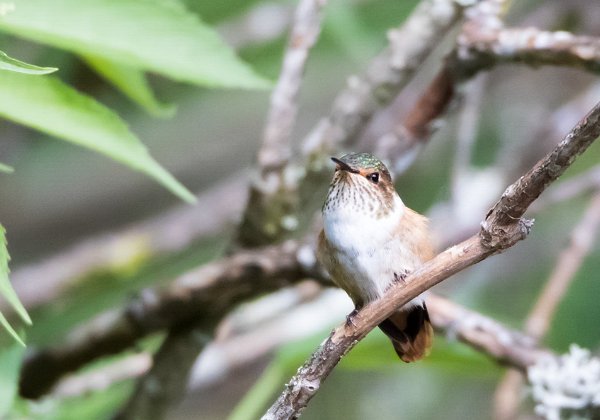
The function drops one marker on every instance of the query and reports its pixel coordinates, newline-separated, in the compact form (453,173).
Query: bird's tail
(410,331)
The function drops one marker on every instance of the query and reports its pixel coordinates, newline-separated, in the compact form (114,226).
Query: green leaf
(48,105)
(12,64)
(131,82)
(7,291)
(150,35)
(6,169)
(9,329)
(10,364)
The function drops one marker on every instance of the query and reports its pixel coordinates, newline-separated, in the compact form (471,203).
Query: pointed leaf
(131,82)
(6,289)
(47,104)
(151,35)
(12,64)
(11,330)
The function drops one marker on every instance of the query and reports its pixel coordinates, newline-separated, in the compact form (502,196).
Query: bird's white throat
(345,227)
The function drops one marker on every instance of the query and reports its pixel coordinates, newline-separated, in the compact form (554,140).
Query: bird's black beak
(344,166)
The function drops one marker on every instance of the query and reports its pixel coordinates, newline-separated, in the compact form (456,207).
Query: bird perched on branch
(370,240)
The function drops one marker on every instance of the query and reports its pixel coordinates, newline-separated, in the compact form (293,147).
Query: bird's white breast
(371,249)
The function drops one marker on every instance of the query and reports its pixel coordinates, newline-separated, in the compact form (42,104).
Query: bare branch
(482,49)
(385,76)
(486,335)
(275,151)
(474,329)
(583,183)
(272,199)
(204,294)
(400,146)
(98,380)
(519,196)
(502,228)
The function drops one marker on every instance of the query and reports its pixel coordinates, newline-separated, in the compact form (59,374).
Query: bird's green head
(362,180)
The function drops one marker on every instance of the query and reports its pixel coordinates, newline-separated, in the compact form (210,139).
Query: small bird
(370,240)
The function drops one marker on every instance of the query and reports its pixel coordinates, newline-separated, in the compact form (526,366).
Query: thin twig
(400,146)
(501,229)
(583,183)
(276,147)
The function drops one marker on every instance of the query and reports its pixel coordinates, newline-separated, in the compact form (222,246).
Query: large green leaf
(152,35)
(10,364)
(12,64)
(6,290)
(132,82)
(47,104)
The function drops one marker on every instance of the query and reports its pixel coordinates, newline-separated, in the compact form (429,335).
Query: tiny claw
(350,318)
(400,277)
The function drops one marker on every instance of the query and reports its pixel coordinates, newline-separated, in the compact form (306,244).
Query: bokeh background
(61,195)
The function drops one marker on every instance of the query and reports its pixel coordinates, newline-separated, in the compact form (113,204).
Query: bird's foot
(350,318)
(400,277)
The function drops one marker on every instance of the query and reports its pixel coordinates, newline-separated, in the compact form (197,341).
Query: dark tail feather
(410,331)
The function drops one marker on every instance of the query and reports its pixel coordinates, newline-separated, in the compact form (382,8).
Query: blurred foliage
(120,69)
(373,357)
(10,363)
(96,405)
(7,291)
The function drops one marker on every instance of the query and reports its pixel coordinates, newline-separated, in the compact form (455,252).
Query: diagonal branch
(501,229)
(385,76)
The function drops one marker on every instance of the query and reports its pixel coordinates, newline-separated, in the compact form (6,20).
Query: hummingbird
(369,241)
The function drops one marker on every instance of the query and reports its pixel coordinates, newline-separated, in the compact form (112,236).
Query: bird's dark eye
(374,177)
